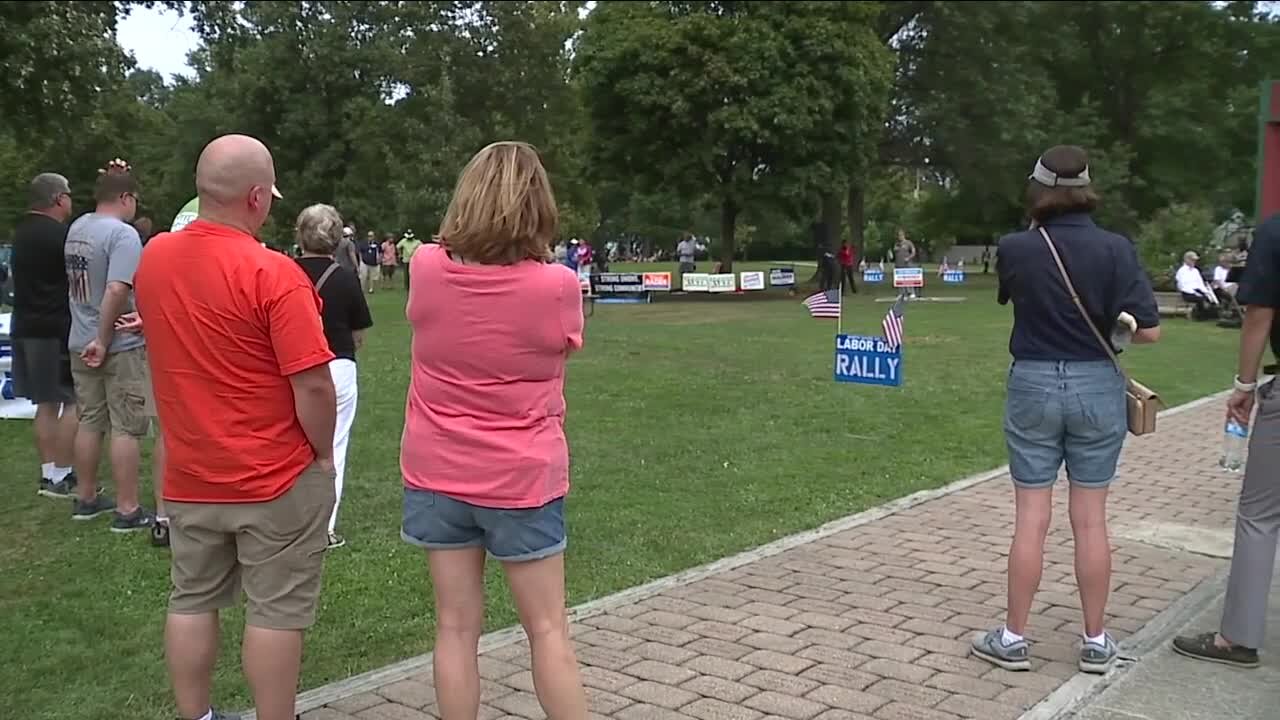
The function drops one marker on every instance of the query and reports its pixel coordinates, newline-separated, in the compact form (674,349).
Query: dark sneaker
(140,519)
(1203,647)
(1097,658)
(991,647)
(160,534)
(92,509)
(58,490)
(335,541)
(73,482)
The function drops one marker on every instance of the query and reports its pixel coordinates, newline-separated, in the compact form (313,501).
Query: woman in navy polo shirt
(1066,398)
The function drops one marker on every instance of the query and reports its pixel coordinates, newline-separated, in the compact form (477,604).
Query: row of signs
(910,277)
(613,284)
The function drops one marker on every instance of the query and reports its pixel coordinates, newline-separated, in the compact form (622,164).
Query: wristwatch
(1242,386)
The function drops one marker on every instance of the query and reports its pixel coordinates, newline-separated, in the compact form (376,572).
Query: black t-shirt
(40,295)
(370,253)
(1261,282)
(1104,269)
(344,308)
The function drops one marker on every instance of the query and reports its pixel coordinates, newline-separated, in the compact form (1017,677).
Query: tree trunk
(857,212)
(728,227)
(832,206)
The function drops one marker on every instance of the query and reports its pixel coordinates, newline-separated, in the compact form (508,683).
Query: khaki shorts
(274,551)
(116,396)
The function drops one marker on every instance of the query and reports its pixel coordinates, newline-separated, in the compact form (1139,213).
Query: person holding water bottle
(1244,611)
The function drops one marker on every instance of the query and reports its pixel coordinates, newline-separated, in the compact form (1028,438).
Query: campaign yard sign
(908,277)
(619,287)
(722,282)
(657,281)
(695,282)
(867,360)
(954,277)
(752,280)
(782,277)
(873,275)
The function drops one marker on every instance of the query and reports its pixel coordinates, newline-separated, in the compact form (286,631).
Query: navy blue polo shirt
(1261,282)
(1103,267)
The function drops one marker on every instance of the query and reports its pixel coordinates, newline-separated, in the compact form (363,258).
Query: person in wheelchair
(1194,290)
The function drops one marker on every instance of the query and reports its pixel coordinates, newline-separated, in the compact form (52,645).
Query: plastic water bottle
(1235,439)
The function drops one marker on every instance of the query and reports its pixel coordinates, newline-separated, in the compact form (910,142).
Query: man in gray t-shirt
(345,253)
(100,250)
(112,379)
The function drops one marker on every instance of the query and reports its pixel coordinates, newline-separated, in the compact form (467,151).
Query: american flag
(892,325)
(824,304)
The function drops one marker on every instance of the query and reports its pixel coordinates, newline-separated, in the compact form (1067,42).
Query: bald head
(235,178)
(230,167)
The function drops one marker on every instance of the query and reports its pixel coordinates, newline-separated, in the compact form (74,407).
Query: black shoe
(59,490)
(160,534)
(139,519)
(1203,647)
(335,541)
(92,509)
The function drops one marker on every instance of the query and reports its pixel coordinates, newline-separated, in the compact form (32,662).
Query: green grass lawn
(697,430)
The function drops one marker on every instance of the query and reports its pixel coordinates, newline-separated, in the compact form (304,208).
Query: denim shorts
(1072,412)
(439,522)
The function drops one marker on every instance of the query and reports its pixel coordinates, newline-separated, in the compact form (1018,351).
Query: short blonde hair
(318,230)
(503,210)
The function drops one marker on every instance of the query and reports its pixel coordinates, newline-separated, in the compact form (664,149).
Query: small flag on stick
(824,304)
(892,325)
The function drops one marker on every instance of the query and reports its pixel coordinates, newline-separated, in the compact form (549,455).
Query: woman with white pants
(346,318)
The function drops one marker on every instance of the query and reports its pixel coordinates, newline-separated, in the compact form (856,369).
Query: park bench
(1171,304)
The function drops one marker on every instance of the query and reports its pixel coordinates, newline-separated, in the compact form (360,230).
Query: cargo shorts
(116,396)
(272,551)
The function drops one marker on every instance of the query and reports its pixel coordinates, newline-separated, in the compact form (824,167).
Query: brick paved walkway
(872,622)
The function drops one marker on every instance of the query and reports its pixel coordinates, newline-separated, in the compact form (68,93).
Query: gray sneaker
(991,647)
(59,490)
(140,519)
(217,715)
(1098,658)
(92,509)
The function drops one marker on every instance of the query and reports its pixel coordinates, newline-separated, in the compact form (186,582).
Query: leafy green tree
(745,103)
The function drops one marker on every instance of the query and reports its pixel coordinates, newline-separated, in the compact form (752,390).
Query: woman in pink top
(484,456)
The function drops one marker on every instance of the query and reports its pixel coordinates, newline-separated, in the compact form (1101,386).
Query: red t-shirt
(227,321)
(846,256)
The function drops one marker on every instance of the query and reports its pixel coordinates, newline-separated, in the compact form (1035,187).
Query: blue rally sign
(954,277)
(873,275)
(867,360)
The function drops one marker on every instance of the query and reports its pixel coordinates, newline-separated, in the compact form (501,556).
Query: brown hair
(114,180)
(1045,203)
(503,210)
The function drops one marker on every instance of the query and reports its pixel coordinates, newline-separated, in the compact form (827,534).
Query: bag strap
(1075,297)
(328,272)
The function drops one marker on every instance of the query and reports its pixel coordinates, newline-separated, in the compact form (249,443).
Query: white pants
(344,384)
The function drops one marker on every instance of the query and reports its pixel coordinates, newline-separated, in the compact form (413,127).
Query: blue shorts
(439,522)
(1072,412)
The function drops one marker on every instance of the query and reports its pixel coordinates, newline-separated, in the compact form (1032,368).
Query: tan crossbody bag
(1141,401)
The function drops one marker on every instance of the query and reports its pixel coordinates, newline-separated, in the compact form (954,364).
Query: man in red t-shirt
(848,258)
(242,387)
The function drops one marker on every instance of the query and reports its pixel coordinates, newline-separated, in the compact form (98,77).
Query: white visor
(1049,178)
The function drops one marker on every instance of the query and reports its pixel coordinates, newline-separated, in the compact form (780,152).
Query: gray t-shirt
(903,252)
(686,250)
(100,249)
(344,253)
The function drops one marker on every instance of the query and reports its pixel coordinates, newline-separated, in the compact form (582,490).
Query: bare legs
(190,650)
(124,467)
(458,580)
(55,430)
(538,589)
(271,660)
(1093,554)
(1034,510)
(1088,510)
